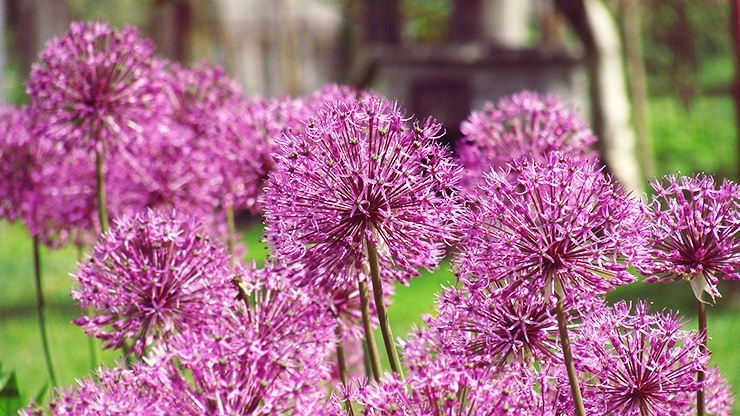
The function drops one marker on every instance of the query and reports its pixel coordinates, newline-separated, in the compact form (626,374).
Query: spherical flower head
(115,392)
(246,142)
(169,171)
(94,86)
(150,276)
(445,392)
(265,358)
(493,329)
(556,227)
(62,207)
(52,192)
(523,124)
(357,176)
(694,232)
(17,162)
(643,364)
(198,94)
(718,397)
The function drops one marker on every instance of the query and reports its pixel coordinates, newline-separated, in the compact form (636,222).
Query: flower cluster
(642,363)
(354,195)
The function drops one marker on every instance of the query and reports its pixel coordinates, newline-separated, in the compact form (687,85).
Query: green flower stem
(700,375)
(372,349)
(100,179)
(385,326)
(341,362)
(342,366)
(91,343)
(568,357)
(42,311)
(231,227)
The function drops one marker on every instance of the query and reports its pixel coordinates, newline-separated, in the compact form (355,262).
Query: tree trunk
(610,104)
(632,33)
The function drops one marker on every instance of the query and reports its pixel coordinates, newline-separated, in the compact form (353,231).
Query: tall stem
(100,179)
(231,227)
(42,311)
(385,325)
(341,362)
(568,357)
(372,349)
(700,375)
(342,366)
(91,344)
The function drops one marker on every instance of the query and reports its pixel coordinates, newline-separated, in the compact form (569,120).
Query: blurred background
(621,63)
(657,80)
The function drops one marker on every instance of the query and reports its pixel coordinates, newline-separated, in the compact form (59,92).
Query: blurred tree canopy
(688,47)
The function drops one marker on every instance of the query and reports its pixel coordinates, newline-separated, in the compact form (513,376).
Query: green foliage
(10,396)
(701,139)
(681,39)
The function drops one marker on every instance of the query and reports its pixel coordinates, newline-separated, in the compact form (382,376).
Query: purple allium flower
(150,276)
(447,392)
(62,205)
(261,359)
(559,226)
(17,162)
(494,329)
(643,364)
(207,102)
(718,398)
(115,392)
(95,86)
(524,124)
(167,172)
(359,175)
(694,232)
(248,132)
(264,359)
(52,192)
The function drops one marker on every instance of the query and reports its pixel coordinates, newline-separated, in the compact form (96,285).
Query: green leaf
(10,396)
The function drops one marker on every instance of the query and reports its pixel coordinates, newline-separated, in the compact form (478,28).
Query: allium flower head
(198,94)
(359,175)
(644,364)
(114,392)
(494,329)
(248,132)
(559,226)
(694,232)
(169,171)
(150,276)
(95,85)
(17,162)
(523,124)
(264,359)
(718,397)
(52,192)
(447,392)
